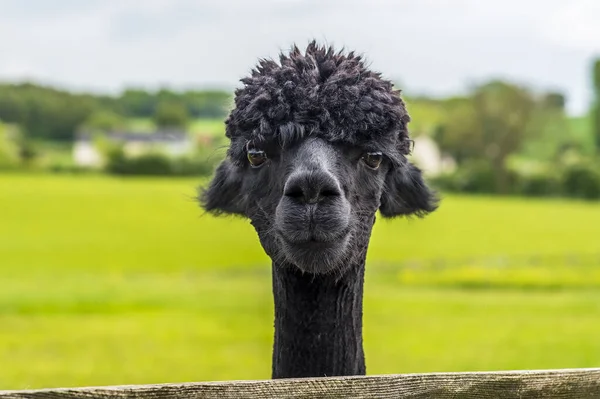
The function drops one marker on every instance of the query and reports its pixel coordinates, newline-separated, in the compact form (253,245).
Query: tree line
(498,120)
(507,139)
(51,114)
(501,135)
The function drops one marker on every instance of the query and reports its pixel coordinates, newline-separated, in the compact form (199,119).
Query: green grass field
(123,281)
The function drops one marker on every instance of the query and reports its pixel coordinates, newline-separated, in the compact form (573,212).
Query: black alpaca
(318,145)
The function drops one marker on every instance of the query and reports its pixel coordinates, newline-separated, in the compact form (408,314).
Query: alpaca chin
(317,257)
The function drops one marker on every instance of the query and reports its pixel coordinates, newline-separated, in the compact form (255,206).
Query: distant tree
(548,133)
(104,120)
(137,103)
(596,105)
(207,104)
(44,112)
(503,112)
(171,115)
(28,152)
(459,134)
(426,113)
(198,103)
(9,149)
(488,125)
(554,101)
(166,95)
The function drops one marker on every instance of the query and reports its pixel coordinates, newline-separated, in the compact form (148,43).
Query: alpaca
(318,144)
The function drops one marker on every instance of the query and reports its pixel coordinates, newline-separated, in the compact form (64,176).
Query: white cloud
(576,24)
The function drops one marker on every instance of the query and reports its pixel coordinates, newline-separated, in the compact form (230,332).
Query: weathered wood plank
(561,384)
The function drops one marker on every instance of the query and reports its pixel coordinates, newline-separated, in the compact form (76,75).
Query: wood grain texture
(561,384)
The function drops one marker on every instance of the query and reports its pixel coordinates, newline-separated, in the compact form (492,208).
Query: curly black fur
(321,92)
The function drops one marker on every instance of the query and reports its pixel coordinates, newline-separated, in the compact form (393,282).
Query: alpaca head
(318,145)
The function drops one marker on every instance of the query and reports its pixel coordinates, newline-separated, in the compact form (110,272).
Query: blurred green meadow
(124,281)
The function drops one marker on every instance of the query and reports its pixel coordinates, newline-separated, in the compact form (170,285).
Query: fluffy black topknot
(319,92)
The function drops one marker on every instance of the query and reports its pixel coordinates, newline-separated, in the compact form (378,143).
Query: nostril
(311,188)
(329,192)
(294,192)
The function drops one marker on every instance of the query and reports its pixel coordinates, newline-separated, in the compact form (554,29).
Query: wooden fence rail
(560,384)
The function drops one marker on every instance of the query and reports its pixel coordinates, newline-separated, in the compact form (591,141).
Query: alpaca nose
(311,187)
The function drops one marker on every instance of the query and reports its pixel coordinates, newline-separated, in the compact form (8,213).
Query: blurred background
(111,115)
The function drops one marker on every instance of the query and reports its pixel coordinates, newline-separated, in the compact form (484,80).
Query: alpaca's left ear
(405,193)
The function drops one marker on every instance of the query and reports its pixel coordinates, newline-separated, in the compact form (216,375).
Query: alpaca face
(315,203)
(318,145)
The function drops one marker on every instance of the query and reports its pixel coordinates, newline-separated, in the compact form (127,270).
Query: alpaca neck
(318,323)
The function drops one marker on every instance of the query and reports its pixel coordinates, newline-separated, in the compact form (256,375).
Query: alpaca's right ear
(223,194)
(406,193)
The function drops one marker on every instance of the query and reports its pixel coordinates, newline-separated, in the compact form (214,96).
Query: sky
(429,47)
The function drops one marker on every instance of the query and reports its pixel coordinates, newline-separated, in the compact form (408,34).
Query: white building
(427,155)
(170,142)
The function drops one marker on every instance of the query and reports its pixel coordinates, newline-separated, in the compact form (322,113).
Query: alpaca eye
(256,157)
(372,159)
